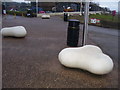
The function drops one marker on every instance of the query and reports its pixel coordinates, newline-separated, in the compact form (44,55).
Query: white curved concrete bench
(89,57)
(45,16)
(17,31)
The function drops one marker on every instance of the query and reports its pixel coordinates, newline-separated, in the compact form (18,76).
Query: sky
(112,4)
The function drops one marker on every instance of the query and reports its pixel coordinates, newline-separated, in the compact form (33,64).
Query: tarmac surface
(32,62)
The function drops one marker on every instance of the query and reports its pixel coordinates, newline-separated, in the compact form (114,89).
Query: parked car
(29,13)
(48,11)
(41,11)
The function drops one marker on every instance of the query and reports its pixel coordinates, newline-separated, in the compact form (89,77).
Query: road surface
(32,62)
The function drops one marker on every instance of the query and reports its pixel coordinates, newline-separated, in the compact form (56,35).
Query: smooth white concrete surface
(17,31)
(45,16)
(88,57)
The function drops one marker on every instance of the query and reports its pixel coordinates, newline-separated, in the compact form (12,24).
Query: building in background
(16,6)
(59,6)
(55,6)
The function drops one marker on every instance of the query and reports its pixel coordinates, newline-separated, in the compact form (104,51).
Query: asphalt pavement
(32,62)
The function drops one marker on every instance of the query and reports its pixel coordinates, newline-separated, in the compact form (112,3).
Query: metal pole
(0,46)
(85,27)
(81,7)
(36,7)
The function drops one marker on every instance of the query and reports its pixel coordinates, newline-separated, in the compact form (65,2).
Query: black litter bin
(73,33)
(29,13)
(66,17)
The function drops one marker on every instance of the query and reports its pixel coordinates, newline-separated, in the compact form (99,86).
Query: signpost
(113,14)
(85,27)
(94,21)
(36,7)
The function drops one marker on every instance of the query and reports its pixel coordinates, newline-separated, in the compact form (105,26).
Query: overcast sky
(112,4)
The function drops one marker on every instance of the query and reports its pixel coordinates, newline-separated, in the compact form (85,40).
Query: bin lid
(74,22)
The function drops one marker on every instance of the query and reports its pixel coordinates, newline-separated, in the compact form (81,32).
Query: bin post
(73,33)
(15,15)
(22,15)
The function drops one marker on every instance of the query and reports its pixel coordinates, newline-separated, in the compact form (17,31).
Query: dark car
(30,13)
